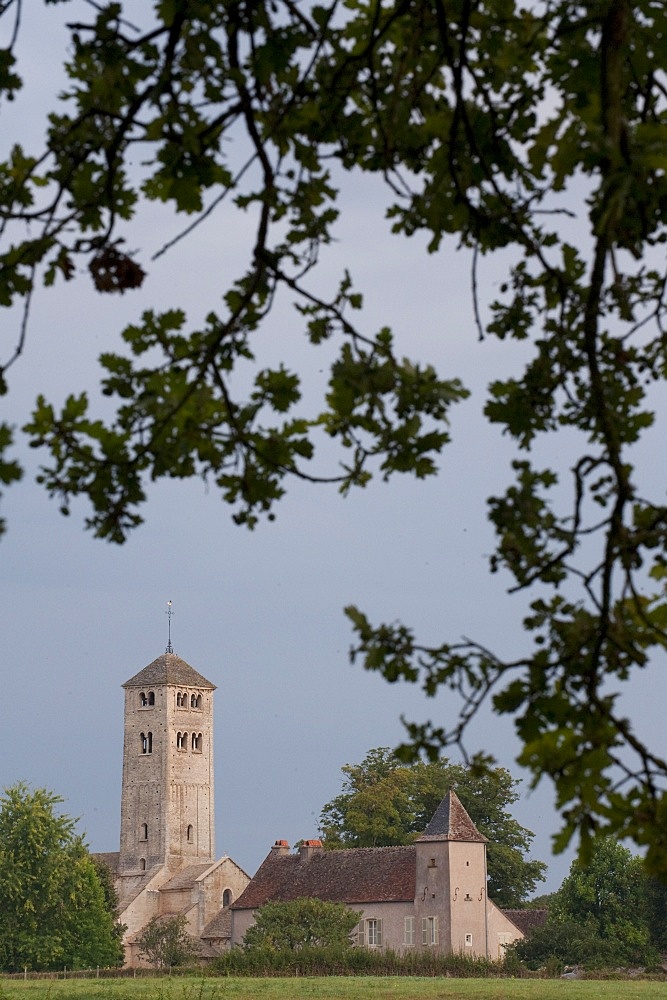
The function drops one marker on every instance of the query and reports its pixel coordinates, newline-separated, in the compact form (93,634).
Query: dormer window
(146,742)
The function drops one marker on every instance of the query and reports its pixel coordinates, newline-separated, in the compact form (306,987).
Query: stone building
(166,865)
(430,894)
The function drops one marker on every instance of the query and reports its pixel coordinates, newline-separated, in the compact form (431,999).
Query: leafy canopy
(54,912)
(386,802)
(535,132)
(603,914)
(301,923)
(166,943)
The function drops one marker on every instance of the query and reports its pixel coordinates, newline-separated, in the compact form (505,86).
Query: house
(430,894)
(166,865)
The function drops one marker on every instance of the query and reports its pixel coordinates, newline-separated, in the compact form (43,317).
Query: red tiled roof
(353,875)
(526,920)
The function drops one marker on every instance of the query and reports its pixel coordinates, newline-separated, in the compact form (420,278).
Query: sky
(257,613)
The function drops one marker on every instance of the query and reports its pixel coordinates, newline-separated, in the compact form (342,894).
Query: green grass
(332,988)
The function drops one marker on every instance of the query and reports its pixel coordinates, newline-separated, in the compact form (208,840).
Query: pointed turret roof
(169,669)
(450,821)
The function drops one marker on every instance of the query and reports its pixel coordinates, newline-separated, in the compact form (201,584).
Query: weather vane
(169,613)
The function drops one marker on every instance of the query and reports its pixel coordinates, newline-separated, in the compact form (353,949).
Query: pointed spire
(450,821)
(169,613)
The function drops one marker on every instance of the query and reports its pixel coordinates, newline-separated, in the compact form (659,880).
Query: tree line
(60,908)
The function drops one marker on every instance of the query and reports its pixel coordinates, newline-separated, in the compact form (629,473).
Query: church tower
(167,808)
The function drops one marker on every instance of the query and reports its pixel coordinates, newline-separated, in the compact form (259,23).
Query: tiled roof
(220,926)
(109,858)
(450,821)
(186,878)
(169,669)
(527,920)
(353,875)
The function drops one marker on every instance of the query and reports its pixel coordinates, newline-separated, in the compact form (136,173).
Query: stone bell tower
(167,807)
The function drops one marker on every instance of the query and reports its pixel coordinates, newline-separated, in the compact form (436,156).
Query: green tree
(600,915)
(166,943)
(609,893)
(532,132)
(53,911)
(302,923)
(385,801)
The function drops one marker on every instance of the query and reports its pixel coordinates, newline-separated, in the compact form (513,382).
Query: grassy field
(333,988)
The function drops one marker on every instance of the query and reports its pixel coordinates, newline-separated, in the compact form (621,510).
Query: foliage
(53,911)
(340,960)
(301,923)
(165,942)
(385,801)
(599,916)
(535,132)
(107,883)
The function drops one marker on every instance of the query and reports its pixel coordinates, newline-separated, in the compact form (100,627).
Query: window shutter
(379,933)
(424,930)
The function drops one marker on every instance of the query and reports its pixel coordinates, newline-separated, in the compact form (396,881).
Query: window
(468,940)
(143,834)
(147,743)
(142,864)
(151,697)
(181,741)
(374,933)
(197,742)
(195,701)
(227,897)
(409,930)
(190,833)
(429,931)
(146,700)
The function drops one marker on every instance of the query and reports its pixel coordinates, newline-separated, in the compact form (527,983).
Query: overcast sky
(259,614)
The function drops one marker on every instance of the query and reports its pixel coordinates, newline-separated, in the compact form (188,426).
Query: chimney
(308,848)
(280,847)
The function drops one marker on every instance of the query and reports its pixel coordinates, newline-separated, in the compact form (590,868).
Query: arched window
(147,743)
(143,700)
(142,864)
(227,897)
(197,742)
(190,833)
(198,701)
(181,741)
(181,700)
(144,832)
(193,701)
(151,697)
